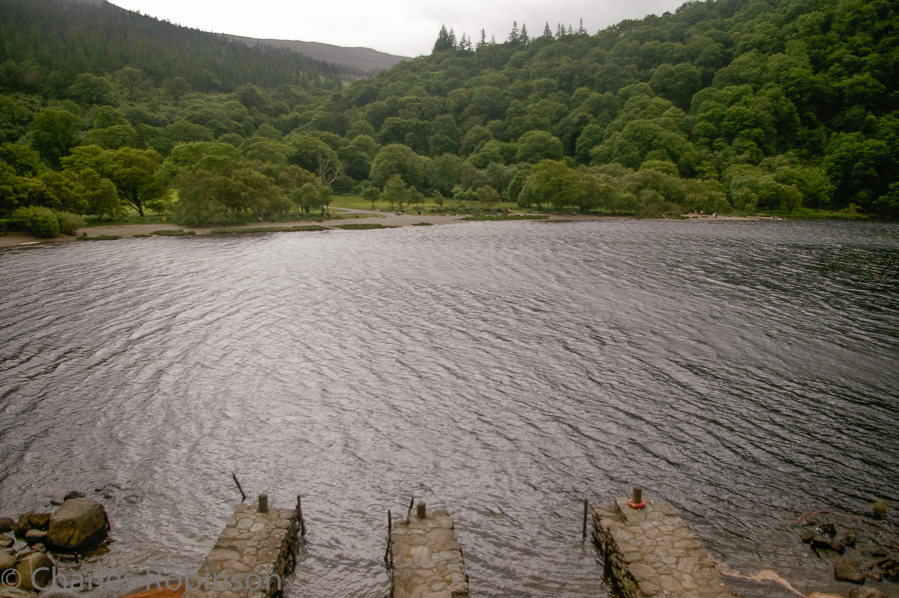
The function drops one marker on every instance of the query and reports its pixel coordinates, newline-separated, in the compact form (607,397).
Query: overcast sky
(402,27)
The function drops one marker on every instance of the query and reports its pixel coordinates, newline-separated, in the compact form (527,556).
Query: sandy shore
(387,219)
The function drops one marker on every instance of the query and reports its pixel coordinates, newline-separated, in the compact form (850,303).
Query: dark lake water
(747,372)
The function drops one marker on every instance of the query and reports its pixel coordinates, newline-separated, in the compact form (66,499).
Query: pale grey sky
(403,27)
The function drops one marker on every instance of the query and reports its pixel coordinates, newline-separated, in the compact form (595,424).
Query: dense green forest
(725,105)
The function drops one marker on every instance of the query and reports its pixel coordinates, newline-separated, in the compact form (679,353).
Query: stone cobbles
(427,560)
(651,553)
(250,557)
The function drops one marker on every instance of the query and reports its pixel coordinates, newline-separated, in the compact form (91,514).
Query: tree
(395,193)
(535,146)
(396,159)
(102,198)
(524,34)
(444,42)
(130,79)
(91,89)
(54,134)
(371,194)
(552,183)
(135,175)
(514,35)
(488,196)
(176,88)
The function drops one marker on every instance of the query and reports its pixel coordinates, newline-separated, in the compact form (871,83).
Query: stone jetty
(650,552)
(251,556)
(426,557)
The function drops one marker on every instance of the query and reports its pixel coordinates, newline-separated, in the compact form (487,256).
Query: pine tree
(444,40)
(465,43)
(581,30)
(524,34)
(560,31)
(483,41)
(547,32)
(515,33)
(452,36)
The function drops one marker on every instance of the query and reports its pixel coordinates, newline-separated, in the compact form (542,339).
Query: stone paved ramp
(651,553)
(427,559)
(254,549)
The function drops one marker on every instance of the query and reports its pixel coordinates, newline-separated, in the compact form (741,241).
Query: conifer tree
(547,32)
(524,34)
(560,31)
(483,41)
(581,30)
(444,40)
(515,33)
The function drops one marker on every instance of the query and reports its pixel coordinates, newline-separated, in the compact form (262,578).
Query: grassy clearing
(173,233)
(362,226)
(98,238)
(267,229)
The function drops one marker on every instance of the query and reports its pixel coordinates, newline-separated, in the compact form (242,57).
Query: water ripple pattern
(746,372)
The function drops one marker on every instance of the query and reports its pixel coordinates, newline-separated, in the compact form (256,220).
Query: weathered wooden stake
(421,510)
(243,496)
(387,559)
(300,515)
(412,502)
(586,509)
(263,503)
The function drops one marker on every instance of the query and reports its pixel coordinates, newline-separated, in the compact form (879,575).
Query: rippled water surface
(745,372)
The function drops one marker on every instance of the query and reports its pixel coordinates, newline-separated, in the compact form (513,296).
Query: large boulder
(78,522)
(7,524)
(35,571)
(866,593)
(28,521)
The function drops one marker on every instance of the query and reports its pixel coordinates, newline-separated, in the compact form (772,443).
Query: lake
(746,372)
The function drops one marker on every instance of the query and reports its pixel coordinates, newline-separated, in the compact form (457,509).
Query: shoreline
(386,219)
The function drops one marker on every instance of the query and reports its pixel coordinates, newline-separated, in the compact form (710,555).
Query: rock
(7,524)
(6,542)
(847,539)
(848,570)
(829,529)
(7,561)
(39,548)
(890,569)
(31,521)
(35,571)
(827,545)
(872,549)
(73,494)
(35,536)
(806,535)
(77,522)
(866,593)
(874,576)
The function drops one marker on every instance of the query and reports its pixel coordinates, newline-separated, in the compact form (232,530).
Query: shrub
(37,221)
(69,223)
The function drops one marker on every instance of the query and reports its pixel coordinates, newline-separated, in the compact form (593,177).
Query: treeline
(723,105)
(46,44)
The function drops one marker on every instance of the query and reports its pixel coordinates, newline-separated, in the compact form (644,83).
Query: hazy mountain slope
(365,59)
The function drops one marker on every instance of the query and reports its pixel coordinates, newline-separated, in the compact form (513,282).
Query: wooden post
(263,503)
(638,495)
(586,509)
(412,503)
(243,496)
(387,557)
(421,510)
(300,515)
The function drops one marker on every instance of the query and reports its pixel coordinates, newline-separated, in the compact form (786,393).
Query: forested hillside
(724,105)
(46,44)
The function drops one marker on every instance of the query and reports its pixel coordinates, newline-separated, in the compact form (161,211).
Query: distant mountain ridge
(365,59)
